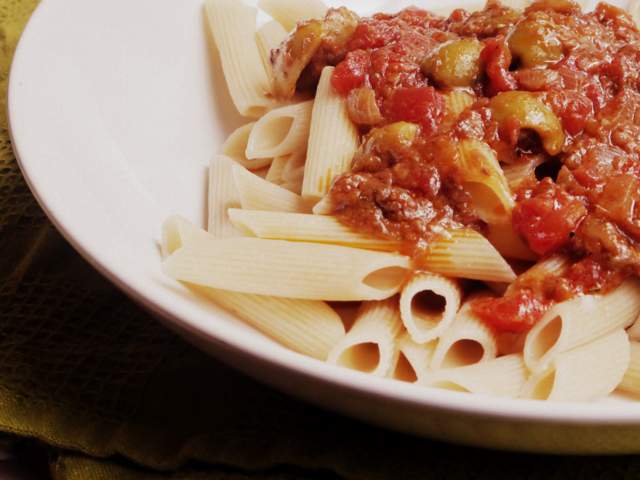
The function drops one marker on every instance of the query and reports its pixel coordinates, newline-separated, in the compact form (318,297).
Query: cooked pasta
(223,194)
(235,147)
(443,204)
(282,131)
(333,140)
(428,305)
(258,194)
(281,268)
(502,377)
(631,381)
(465,342)
(585,373)
(289,12)
(413,360)
(232,26)
(370,344)
(580,321)
(467,254)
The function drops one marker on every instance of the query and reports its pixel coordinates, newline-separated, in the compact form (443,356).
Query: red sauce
(585,71)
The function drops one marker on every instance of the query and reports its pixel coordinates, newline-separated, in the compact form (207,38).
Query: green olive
(455,64)
(535,42)
(530,113)
(392,137)
(291,58)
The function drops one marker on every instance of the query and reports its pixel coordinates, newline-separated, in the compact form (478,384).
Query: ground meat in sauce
(580,68)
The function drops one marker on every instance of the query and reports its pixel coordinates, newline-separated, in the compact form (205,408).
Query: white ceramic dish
(116,108)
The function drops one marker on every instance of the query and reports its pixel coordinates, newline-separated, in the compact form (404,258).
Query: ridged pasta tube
(502,376)
(588,372)
(282,131)
(370,345)
(413,359)
(235,146)
(579,321)
(306,326)
(288,269)
(466,341)
(428,305)
(233,27)
(223,194)
(631,380)
(289,12)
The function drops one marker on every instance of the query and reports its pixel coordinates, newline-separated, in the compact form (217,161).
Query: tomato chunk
(515,313)
(351,72)
(496,58)
(423,105)
(547,219)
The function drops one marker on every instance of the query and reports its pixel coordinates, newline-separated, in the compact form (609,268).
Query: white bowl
(116,108)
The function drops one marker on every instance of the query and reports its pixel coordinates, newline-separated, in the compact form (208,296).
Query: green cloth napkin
(117,396)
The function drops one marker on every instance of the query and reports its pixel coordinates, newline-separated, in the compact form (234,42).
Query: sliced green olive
(530,113)
(455,64)
(535,42)
(293,56)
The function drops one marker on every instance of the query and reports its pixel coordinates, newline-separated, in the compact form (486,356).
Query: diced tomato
(351,72)
(423,105)
(496,58)
(547,219)
(373,33)
(515,313)
(573,108)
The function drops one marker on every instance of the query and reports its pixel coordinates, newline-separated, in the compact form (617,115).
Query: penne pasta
(483,178)
(256,193)
(282,131)
(633,8)
(223,194)
(306,326)
(370,345)
(309,327)
(503,377)
(268,37)
(288,269)
(274,175)
(333,140)
(428,305)
(236,144)
(303,227)
(413,359)
(289,12)
(631,381)
(465,253)
(466,341)
(508,243)
(518,173)
(457,102)
(585,373)
(233,26)
(580,321)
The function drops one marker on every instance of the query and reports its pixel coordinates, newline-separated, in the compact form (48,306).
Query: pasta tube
(370,344)
(467,341)
(306,326)
(580,321)
(413,359)
(631,380)
(428,305)
(223,194)
(282,131)
(333,140)
(289,12)
(258,194)
(288,269)
(233,26)
(503,377)
(464,253)
(236,144)
(590,371)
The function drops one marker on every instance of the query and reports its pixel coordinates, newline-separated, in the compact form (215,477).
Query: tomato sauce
(580,75)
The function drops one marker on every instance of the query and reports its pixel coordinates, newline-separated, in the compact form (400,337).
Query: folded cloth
(117,396)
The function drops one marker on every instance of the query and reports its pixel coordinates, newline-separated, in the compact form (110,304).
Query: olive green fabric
(117,396)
